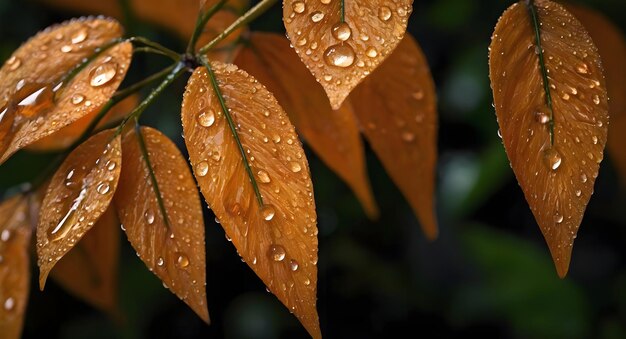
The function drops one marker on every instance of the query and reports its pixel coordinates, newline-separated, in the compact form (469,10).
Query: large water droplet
(371,52)
(79,36)
(103,74)
(77,98)
(182,261)
(103,188)
(542,118)
(317,16)
(264,177)
(340,55)
(14,63)
(293,265)
(342,31)
(67,222)
(277,253)
(552,159)
(298,6)
(384,13)
(268,212)
(558,217)
(160,262)
(149,217)
(295,166)
(206,118)
(202,168)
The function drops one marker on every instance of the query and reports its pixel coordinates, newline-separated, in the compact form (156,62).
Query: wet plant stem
(203,18)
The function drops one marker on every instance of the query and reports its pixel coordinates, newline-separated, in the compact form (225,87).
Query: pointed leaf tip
(278,239)
(341,42)
(557,178)
(160,209)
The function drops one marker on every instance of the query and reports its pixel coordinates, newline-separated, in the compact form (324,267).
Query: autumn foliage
(347,73)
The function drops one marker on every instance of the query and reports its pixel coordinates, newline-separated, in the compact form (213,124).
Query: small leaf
(15,233)
(341,42)
(333,135)
(571,110)
(277,236)
(397,109)
(612,47)
(79,193)
(66,136)
(36,97)
(89,270)
(159,206)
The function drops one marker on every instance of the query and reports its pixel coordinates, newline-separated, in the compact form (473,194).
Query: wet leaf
(557,179)
(164,221)
(66,136)
(397,109)
(341,53)
(277,239)
(333,135)
(15,235)
(612,47)
(36,100)
(79,193)
(89,270)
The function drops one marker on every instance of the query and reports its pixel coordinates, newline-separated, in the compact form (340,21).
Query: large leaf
(38,95)
(333,135)
(277,237)
(79,193)
(612,48)
(557,178)
(89,270)
(341,42)
(397,109)
(159,205)
(15,232)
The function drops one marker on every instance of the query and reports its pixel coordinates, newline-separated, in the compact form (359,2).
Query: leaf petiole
(155,45)
(203,18)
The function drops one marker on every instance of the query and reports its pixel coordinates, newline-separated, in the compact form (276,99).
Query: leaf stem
(147,42)
(203,18)
(155,185)
(544,73)
(343,10)
(178,69)
(233,129)
(250,15)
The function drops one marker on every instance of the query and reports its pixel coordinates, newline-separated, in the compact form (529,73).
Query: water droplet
(149,216)
(268,212)
(594,139)
(565,96)
(277,253)
(325,2)
(206,119)
(371,52)
(307,282)
(582,69)
(342,31)
(182,261)
(542,118)
(202,168)
(298,6)
(384,13)
(103,188)
(408,136)
(583,178)
(293,264)
(578,193)
(340,55)
(77,98)
(103,74)
(9,304)
(295,166)
(79,36)
(66,48)
(264,177)
(552,158)
(160,262)
(317,16)
(5,235)
(558,218)
(14,63)
(66,223)
(111,165)
(596,99)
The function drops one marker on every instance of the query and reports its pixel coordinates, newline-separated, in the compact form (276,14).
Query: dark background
(489,274)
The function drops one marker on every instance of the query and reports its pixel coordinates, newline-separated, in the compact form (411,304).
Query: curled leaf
(551,104)
(39,98)
(89,270)
(274,229)
(159,206)
(15,233)
(66,136)
(341,42)
(612,47)
(79,193)
(333,135)
(397,109)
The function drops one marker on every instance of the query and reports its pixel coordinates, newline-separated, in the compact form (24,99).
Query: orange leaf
(278,238)
(79,193)
(612,48)
(397,109)
(36,100)
(557,179)
(69,134)
(164,221)
(333,135)
(341,53)
(89,270)
(15,235)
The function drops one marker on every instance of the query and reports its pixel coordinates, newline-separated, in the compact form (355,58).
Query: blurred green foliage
(489,274)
